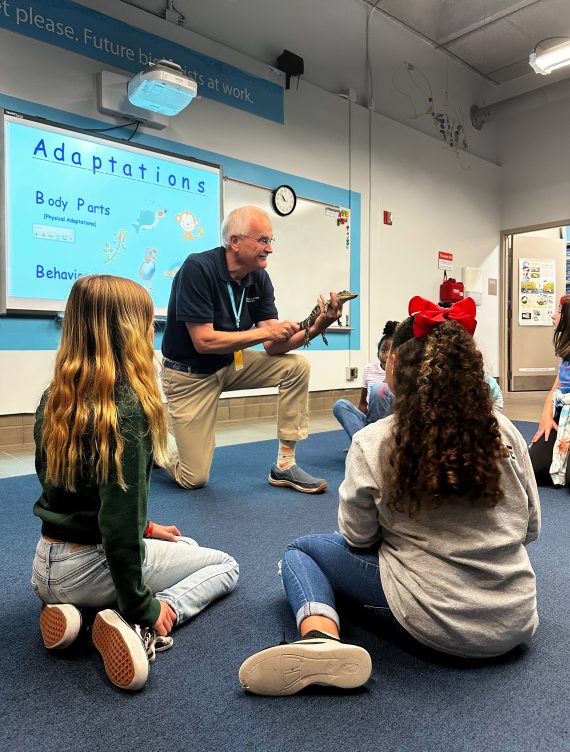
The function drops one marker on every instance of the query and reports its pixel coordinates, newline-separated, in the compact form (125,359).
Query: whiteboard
(311,253)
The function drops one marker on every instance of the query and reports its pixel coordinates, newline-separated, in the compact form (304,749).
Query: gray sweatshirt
(457,578)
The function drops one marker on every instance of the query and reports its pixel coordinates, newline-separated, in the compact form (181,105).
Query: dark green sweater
(104,513)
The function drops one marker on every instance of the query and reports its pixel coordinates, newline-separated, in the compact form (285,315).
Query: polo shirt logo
(252,300)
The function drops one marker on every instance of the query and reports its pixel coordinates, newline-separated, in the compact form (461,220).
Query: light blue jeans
(183,574)
(379,406)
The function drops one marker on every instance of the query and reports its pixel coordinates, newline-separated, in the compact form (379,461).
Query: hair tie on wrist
(148,532)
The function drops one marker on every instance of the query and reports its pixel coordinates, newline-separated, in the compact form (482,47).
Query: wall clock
(284,200)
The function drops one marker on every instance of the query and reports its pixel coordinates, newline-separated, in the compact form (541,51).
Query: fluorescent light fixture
(162,87)
(551,59)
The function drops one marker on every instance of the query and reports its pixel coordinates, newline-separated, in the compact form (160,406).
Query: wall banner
(537,302)
(87,32)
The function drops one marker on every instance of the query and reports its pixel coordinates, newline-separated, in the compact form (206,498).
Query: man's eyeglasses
(263,240)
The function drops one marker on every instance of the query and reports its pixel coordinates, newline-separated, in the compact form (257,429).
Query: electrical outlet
(351,373)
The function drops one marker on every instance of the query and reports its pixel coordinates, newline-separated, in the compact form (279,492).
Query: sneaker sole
(291,484)
(124,657)
(59,625)
(286,669)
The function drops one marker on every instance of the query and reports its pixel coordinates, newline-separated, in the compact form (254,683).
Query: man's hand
(165,532)
(281,331)
(332,313)
(166,620)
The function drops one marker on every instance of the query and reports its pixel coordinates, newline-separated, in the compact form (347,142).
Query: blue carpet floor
(192,700)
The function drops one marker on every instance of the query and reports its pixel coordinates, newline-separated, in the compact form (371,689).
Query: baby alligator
(306,324)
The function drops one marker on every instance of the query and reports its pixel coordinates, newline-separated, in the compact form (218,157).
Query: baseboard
(16,430)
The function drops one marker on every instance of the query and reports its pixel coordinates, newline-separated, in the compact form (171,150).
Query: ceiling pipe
(487,21)
(430,41)
(481,115)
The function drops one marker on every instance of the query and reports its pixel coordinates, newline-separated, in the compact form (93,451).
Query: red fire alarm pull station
(387,217)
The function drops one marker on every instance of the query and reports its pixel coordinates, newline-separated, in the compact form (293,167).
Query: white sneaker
(122,649)
(314,659)
(59,624)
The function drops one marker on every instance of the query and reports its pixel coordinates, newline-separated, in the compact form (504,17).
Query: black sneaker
(122,649)
(120,646)
(296,478)
(316,658)
(153,643)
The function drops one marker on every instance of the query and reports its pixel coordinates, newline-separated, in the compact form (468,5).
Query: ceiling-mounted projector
(162,87)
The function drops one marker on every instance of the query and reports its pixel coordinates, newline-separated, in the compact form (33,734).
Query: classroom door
(536,264)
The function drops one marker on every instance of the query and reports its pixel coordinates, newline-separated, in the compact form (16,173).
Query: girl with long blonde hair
(99,427)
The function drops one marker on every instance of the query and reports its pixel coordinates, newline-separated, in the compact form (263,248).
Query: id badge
(238,360)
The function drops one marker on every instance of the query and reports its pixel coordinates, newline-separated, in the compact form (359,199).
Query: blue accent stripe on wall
(29,334)
(43,334)
(93,34)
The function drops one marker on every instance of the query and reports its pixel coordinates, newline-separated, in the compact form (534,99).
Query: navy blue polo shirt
(200,295)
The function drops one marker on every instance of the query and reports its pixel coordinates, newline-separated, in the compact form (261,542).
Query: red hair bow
(428,314)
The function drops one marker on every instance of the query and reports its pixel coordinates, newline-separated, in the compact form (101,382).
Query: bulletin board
(311,253)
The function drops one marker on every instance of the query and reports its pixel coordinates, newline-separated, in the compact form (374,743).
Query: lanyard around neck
(237,313)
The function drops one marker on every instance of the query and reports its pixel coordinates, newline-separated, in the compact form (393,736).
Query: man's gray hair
(238,222)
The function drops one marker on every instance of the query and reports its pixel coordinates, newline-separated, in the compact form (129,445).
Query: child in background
(370,408)
(98,427)
(550,457)
(382,398)
(436,508)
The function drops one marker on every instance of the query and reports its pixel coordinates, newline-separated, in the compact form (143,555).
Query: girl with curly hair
(550,456)
(98,428)
(436,508)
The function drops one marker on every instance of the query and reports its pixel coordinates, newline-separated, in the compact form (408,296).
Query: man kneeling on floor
(222,303)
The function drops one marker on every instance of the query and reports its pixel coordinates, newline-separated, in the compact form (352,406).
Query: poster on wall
(537,300)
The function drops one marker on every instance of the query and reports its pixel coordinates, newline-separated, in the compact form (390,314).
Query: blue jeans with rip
(379,406)
(183,574)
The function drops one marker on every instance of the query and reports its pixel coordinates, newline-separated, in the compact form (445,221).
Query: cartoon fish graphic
(147,219)
(173,269)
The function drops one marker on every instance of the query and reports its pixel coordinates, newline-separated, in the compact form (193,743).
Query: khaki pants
(193,405)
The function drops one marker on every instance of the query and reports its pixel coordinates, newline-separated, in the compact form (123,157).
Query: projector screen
(77,203)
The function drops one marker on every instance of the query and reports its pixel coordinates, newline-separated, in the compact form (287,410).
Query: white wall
(534,145)
(330,36)
(439,203)
(436,202)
